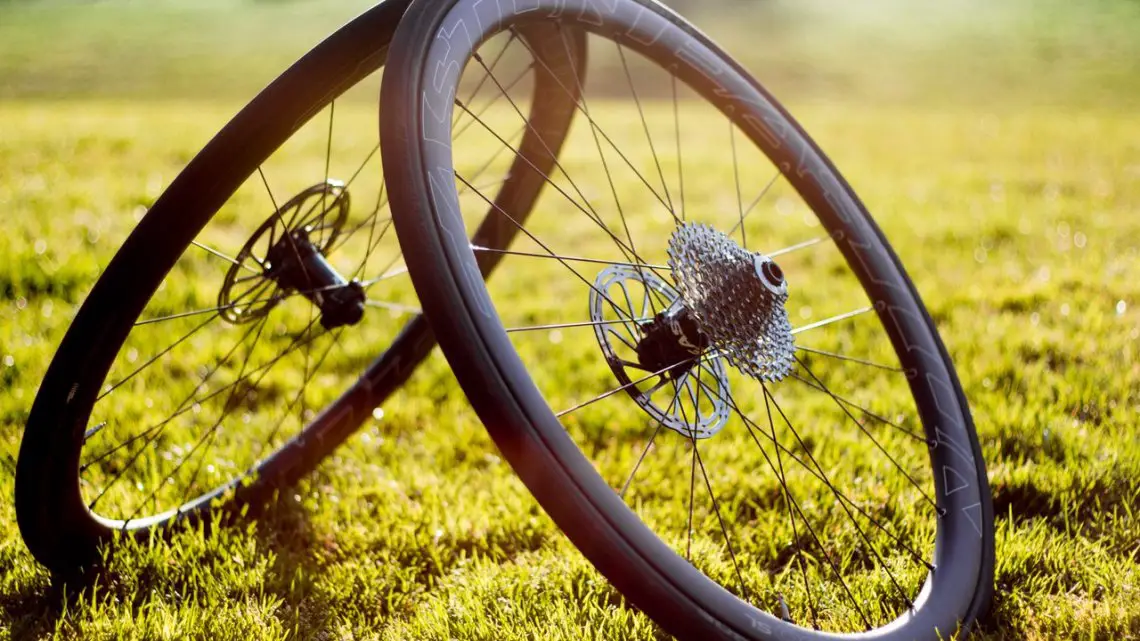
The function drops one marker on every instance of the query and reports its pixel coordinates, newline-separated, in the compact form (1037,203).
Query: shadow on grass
(33,612)
(277,541)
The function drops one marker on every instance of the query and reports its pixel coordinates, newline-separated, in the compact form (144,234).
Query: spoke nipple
(784,613)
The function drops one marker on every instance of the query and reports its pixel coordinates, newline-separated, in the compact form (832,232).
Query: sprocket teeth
(745,319)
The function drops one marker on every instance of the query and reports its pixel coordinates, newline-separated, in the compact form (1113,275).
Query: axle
(297,264)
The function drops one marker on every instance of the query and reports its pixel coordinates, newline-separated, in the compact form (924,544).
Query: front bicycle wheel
(259,311)
(707,364)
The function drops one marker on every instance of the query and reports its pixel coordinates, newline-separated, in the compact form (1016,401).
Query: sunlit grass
(1020,230)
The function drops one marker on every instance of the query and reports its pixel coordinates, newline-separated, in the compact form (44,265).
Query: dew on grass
(378,414)
(9,360)
(1121,307)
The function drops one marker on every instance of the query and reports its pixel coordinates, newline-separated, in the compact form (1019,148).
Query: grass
(1017,224)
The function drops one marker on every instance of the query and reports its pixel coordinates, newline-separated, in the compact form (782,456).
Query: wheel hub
(736,299)
(660,359)
(671,341)
(297,264)
(288,254)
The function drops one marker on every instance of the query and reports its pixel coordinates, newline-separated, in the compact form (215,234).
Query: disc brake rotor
(688,394)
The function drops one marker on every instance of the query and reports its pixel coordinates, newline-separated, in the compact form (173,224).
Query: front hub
(288,254)
(297,264)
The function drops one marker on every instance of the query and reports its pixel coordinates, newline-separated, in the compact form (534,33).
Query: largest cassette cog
(738,299)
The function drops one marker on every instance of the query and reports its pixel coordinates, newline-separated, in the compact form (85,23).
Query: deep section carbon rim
(694,253)
(233,341)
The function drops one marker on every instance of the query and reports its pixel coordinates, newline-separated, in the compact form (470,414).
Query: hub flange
(288,254)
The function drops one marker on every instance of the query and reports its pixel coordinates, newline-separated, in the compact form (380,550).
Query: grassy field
(1017,222)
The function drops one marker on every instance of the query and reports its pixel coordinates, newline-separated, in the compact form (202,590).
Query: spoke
(610,393)
(483,80)
(677,133)
(208,438)
(736,177)
(720,519)
(830,561)
(134,457)
(750,425)
(863,429)
(565,264)
(325,184)
(852,359)
(374,241)
(154,358)
(815,469)
(649,445)
(265,181)
(782,477)
(387,276)
(359,169)
(276,298)
(187,404)
(591,213)
(744,212)
(304,384)
(228,259)
(570,259)
(918,437)
(692,493)
(490,161)
(503,89)
(645,126)
(580,105)
(788,250)
(867,541)
(833,319)
(369,221)
(395,307)
(535,328)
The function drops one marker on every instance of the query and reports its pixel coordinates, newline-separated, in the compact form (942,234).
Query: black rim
(306,251)
(910,369)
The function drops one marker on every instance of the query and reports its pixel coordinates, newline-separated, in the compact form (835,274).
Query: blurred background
(1053,52)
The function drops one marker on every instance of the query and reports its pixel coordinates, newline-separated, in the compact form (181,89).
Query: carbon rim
(745,112)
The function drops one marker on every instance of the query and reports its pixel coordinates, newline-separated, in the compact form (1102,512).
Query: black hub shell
(299,265)
(672,342)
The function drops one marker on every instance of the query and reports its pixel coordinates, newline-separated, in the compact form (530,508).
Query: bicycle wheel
(733,474)
(255,316)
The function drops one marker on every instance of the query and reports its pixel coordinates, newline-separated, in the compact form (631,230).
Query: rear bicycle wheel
(707,364)
(256,315)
